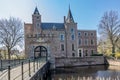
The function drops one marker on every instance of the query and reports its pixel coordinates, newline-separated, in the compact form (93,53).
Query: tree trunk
(9,51)
(113,49)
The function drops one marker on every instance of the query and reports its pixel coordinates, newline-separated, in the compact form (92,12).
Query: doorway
(40,52)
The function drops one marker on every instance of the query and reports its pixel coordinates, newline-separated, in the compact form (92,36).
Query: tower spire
(69,16)
(36,11)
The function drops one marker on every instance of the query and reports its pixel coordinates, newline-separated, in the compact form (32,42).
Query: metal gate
(40,52)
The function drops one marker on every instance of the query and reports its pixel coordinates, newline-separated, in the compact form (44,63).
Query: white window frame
(62,37)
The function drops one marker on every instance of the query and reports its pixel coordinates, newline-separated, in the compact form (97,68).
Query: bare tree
(110,27)
(11,33)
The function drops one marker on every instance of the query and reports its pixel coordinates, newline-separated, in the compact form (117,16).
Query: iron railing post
(29,69)
(37,63)
(22,70)
(1,64)
(34,65)
(9,72)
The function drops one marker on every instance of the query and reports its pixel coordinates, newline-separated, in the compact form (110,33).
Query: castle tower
(36,20)
(71,35)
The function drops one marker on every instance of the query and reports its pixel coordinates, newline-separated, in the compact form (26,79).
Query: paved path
(15,73)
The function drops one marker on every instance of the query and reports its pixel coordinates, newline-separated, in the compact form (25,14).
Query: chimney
(64,19)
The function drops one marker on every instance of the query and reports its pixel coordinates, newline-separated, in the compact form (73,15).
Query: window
(92,34)
(92,42)
(73,37)
(61,37)
(86,34)
(92,51)
(62,47)
(86,41)
(55,48)
(79,33)
(37,25)
(73,47)
(72,30)
(37,17)
(80,54)
(73,54)
(86,52)
(79,41)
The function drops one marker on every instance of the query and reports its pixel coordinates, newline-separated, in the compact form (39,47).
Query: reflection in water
(86,73)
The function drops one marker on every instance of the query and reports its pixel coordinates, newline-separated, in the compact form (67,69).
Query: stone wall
(77,61)
(113,62)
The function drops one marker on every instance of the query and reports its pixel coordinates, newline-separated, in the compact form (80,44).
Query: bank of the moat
(87,67)
(100,72)
(78,61)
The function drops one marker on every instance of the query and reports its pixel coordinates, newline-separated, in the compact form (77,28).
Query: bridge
(28,69)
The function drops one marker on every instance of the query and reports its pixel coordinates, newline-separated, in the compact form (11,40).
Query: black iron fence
(13,63)
(21,70)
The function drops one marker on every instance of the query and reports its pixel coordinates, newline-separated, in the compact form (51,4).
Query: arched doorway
(40,52)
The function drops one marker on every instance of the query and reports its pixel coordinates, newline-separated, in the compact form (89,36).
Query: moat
(85,73)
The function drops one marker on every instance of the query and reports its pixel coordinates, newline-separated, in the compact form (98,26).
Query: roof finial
(69,6)
(69,17)
(36,11)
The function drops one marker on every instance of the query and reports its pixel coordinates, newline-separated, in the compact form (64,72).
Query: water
(86,73)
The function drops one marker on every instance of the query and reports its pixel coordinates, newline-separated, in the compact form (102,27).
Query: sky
(87,13)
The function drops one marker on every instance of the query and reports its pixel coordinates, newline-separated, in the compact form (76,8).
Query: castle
(60,39)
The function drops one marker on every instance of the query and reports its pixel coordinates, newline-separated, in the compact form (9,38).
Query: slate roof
(57,26)
(36,11)
(70,17)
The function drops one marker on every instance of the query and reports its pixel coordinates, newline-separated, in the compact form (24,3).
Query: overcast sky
(87,13)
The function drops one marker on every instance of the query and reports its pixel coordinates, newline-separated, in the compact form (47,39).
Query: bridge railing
(24,71)
(13,63)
